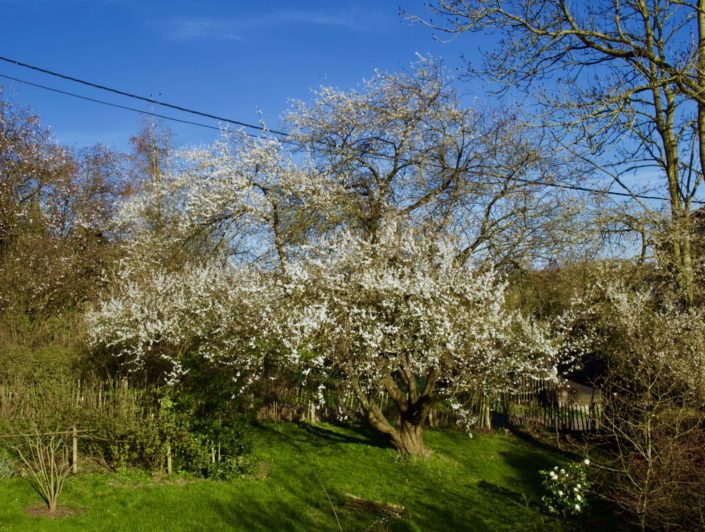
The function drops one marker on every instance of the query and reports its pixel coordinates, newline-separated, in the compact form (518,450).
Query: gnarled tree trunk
(410,439)
(414,407)
(407,438)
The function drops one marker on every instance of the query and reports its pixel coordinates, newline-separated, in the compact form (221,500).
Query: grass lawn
(489,482)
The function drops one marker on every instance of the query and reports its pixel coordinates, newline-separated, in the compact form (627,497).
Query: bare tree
(45,458)
(624,79)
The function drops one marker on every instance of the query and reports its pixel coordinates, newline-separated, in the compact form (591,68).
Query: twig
(43,434)
(329,502)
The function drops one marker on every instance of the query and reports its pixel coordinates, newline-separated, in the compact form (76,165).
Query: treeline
(59,241)
(56,206)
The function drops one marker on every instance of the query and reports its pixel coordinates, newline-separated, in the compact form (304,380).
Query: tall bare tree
(623,78)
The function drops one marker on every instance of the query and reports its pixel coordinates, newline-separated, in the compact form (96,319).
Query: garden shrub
(567,489)
(8,465)
(651,438)
(131,427)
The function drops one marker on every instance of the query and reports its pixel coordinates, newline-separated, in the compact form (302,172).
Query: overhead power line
(128,108)
(283,134)
(103,102)
(578,188)
(141,98)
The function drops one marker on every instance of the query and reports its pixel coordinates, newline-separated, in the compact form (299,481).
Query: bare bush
(45,457)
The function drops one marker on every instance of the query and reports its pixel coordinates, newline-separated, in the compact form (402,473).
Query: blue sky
(228,58)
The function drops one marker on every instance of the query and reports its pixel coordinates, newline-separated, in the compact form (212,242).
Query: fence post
(486,416)
(74,450)
(168,458)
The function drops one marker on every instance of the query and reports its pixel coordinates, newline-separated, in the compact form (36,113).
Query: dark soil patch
(42,510)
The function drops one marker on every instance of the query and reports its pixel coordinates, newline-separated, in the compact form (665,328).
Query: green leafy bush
(125,427)
(8,466)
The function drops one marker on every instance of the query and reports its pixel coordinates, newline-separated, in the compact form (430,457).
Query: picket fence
(531,404)
(537,405)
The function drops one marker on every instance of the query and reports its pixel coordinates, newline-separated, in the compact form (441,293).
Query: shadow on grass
(506,493)
(538,443)
(489,507)
(442,493)
(310,435)
(360,435)
(253,514)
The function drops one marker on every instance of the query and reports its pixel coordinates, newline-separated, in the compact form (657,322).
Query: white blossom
(371,312)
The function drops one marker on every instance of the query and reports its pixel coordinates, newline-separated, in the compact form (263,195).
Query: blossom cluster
(651,331)
(236,190)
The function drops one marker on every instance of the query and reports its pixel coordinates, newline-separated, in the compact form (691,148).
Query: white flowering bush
(567,489)
(160,319)
(653,391)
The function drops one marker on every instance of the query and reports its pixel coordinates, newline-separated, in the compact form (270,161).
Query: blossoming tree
(399,173)
(400,316)
(404,145)
(239,197)
(653,392)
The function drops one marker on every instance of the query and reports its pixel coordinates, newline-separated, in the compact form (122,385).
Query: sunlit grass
(489,482)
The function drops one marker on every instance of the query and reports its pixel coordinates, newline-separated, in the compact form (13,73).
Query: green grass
(489,482)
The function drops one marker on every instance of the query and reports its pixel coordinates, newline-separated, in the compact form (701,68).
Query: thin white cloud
(186,28)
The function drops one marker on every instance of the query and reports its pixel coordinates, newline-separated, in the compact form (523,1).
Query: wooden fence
(539,405)
(533,404)
(75,435)
(564,407)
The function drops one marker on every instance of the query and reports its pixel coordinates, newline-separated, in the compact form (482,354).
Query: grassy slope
(486,483)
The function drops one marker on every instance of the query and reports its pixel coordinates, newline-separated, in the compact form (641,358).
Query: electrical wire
(138,97)
(284,135)
(103,102)
(127,108)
